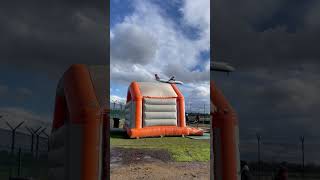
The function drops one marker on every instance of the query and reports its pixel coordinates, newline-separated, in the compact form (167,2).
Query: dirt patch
(153,164)
(162,171)
(134,155)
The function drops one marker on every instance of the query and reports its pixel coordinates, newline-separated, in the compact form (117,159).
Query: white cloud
(198,91)
(197,13)
(127,73)
(197,95)
(117,99)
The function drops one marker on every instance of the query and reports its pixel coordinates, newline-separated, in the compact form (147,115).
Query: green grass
(181,149)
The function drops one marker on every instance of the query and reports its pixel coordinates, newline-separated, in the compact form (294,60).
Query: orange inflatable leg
(225,137)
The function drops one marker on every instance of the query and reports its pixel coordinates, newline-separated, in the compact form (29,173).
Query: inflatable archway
(79,142)
(156,109)
(225,141)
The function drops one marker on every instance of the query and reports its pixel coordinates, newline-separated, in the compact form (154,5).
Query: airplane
(171,80)
(221,66)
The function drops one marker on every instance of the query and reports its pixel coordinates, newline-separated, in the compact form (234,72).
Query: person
(157,77)
(282,172)
(245,172)
(172,78)
(187,119)
(197,119)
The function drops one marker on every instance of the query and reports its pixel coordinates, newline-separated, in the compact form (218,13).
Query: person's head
(246,168)
(242,163)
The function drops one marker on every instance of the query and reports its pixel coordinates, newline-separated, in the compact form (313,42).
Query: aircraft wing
(221,66)
(170,81)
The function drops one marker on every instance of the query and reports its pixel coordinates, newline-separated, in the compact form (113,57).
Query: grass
(181,149)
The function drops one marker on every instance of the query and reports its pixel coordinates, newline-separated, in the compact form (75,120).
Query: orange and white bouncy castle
(156,109)
(79,141)
(225,141)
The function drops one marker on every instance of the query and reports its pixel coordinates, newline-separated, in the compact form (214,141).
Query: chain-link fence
(117,110)
(265,157)
(23,155)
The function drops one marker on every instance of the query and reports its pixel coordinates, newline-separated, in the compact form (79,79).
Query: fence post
(32,133)
(302,148)
(259,158)
(13,134)
(19,162)
(37,143)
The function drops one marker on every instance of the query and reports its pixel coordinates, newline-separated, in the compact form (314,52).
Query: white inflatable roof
(156,89)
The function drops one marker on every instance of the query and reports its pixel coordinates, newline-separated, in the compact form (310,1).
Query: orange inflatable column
(180,102)
(84,109)
(137,98)
(60,113)
(225,138)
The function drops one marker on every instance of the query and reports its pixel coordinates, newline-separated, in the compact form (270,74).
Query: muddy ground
(153,164)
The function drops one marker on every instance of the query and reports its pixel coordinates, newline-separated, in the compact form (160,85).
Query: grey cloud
(24,91)
(271,105)
(16,95)
(3,90)
(22,94)
(16,115)
(41,39)
(252,36)
(273,46)
(53,35)
(131,44)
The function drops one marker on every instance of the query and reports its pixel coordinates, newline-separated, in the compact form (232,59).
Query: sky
(161,37)
(275,90)
(39,41)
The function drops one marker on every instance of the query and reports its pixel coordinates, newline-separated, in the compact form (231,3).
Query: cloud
(197,97)
(65,33)
(14,116)
(40,40)
(198,20)
(131,44)
(270,103)
(24,91)
(312,16)
(117,99)
(272,46)
(3,90)
(124,75)
(191,13)
(271,34)
(18,95)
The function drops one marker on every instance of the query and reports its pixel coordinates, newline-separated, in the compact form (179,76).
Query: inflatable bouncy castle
(79,141)
(156,109)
